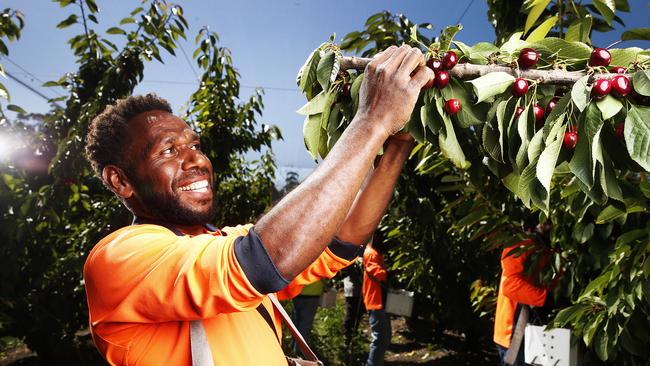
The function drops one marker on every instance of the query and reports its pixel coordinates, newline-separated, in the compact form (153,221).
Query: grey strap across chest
(202,354)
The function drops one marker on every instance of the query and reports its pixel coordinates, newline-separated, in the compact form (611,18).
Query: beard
(170,208)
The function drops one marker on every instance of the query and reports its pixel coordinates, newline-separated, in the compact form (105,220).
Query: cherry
(452,106)
(346,88)
(442,79)
(430,83)
(551,104)
(601,88)
(449,60)
(570,140)
(538,112)
(620,131)
(518,112)
(434,64)
(600,57)
(528,57)
(618,70)
(621,86)
(520,87)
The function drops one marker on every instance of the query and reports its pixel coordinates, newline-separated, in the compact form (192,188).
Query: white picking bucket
(399,302)
(552,347)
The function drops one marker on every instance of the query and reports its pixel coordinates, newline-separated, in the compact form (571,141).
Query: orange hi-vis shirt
(515,288)
(374,272)
(145,283)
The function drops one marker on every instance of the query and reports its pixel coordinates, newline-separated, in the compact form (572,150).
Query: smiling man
(157,286)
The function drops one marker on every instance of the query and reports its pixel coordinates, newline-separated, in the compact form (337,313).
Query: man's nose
(193,158)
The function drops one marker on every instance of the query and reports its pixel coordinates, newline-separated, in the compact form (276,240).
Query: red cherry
(570,140)
(618,70)
(620,131)
(528,57)
(520,87)
(551,104)
(434,64)
(538,112)
(621,86)
(518,112)
(430,83)
(601,88)
(346,88)
(442,79)
(449,60)
(600,57)
(452,106)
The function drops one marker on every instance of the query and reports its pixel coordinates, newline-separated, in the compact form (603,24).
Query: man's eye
(196,147)
(168,150)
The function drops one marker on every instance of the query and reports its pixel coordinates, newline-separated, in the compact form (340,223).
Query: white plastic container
(399,302)
(553,347)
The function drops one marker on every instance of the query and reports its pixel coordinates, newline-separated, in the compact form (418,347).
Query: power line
(180,45)
(465,12)
(180,82)
(32,89)
(30,74)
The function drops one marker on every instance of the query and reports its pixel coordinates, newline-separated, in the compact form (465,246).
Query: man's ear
(117,181)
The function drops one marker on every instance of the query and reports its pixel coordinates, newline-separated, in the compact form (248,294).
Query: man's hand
(389,92)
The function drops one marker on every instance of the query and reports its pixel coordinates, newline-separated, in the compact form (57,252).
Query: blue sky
(269,41)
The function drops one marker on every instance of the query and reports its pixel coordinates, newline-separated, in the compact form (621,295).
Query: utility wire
(180,82)
(189,63)
(32,89)
(465,12)
(30,74)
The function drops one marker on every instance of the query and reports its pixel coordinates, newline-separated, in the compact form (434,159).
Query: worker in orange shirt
(173,290)
(375,287)
(517,289)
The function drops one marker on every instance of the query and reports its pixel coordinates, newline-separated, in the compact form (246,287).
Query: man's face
(172,178)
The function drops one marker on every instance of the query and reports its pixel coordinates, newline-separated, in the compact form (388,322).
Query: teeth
(200,186)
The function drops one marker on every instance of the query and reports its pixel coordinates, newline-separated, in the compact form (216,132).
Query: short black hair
(108,134)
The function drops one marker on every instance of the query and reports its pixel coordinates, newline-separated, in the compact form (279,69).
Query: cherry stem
(614,44)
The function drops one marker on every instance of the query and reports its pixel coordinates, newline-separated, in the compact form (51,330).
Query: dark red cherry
(570,140)
(601,88)
(520,87)
(621,86)
(442,79)
(449,60)
(452,106)
(551,104)
(618,70)
(620,131)
(528,57)
(434,64)
(600,57)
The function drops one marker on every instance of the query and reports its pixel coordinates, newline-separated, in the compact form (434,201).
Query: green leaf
(115,30)
(354,91)
(469,115)
(609,213)
(127,20)
(580,93)
(307,74)
(449,145)
(583,232)
(609,106)
(626,56)
(606,8)
(447,35)
(491,84)
(325,68)
(637,135)
(15,108)
(548,159)
(316,105)
(4,93)
(542,30)
(580,30)
(72,19)
(564,49)
(491,142)
(536,9)
(331,99)
(311,134)
(641,82)
(636,33)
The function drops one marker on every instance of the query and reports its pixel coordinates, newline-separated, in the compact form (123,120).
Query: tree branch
(471,71)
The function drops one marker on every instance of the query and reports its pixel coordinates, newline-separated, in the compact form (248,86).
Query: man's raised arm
(302,224)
